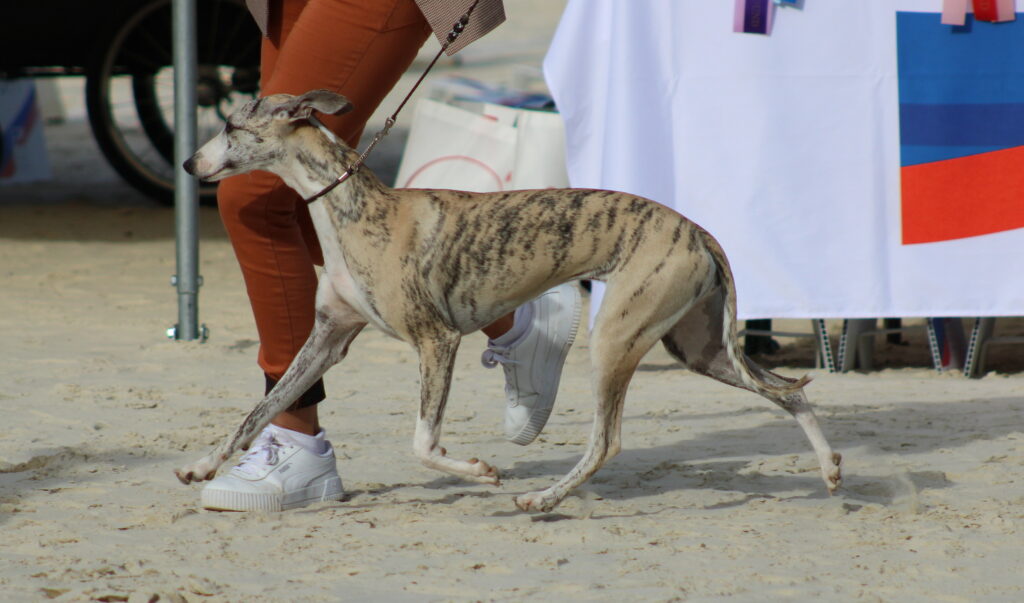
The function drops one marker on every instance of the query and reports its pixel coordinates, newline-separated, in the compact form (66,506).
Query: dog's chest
(347,281)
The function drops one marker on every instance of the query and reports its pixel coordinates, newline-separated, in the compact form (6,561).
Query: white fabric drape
(785,147)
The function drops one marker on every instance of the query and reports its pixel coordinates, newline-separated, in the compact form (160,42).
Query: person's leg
(360,48)
(275,250)
(276,258)
(532,353)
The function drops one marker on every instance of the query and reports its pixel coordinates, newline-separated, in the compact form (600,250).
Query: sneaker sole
(539,418)
(227,500)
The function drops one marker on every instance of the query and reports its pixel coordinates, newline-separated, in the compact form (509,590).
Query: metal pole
(186,191)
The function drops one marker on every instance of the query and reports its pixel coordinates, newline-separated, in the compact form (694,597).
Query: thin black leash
(457,29)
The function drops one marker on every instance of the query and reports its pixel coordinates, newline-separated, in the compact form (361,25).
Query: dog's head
(253,136)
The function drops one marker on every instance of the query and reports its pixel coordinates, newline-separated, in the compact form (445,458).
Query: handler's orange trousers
(358,48)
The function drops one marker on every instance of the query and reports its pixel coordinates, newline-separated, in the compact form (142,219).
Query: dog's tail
(730,332)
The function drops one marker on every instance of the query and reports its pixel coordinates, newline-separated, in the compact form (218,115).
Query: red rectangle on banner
(964,197)
(994,10)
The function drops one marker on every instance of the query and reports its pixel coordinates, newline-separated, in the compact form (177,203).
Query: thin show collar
(353,169)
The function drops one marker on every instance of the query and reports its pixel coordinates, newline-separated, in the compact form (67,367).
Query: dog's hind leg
(604,443)
(624,331)
(696,341)
(334,328)
(797,405)
(437,358)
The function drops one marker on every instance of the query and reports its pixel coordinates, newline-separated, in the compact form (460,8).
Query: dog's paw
(196,472)
(833,473)
(536,501)
(483,473)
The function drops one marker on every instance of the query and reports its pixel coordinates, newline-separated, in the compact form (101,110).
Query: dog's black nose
(190,166)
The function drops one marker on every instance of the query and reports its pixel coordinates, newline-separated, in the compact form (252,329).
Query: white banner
(787,147)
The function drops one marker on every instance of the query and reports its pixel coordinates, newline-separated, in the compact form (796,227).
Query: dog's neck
(316,158)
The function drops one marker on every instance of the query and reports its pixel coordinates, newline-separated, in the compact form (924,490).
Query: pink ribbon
(954,12)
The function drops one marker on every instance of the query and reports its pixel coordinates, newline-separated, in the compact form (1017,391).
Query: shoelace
(497,353)
(266,446)
(494,355)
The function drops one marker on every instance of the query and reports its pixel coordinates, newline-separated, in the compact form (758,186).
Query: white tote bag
(483,147)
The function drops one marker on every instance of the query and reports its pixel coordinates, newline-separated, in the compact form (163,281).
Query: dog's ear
(302,106)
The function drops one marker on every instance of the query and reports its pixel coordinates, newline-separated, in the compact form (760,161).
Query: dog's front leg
(437,357)
(335,327)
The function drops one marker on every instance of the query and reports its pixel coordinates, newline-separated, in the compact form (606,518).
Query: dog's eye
(228,127)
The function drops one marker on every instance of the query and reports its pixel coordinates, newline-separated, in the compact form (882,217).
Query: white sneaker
(274,475)
(532,354)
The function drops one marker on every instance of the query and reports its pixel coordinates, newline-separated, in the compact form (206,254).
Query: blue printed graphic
(961,88)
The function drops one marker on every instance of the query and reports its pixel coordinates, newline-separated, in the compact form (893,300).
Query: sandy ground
(715,497)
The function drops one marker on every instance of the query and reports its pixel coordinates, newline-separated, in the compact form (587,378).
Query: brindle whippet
(428,266)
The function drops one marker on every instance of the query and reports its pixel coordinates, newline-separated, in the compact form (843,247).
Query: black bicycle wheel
(130,88)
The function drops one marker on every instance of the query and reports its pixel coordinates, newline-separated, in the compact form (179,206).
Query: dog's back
(481,254)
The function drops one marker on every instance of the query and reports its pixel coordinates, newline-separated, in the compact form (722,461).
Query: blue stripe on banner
(961,89)
(916,155)
(998,126)
(977,63)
